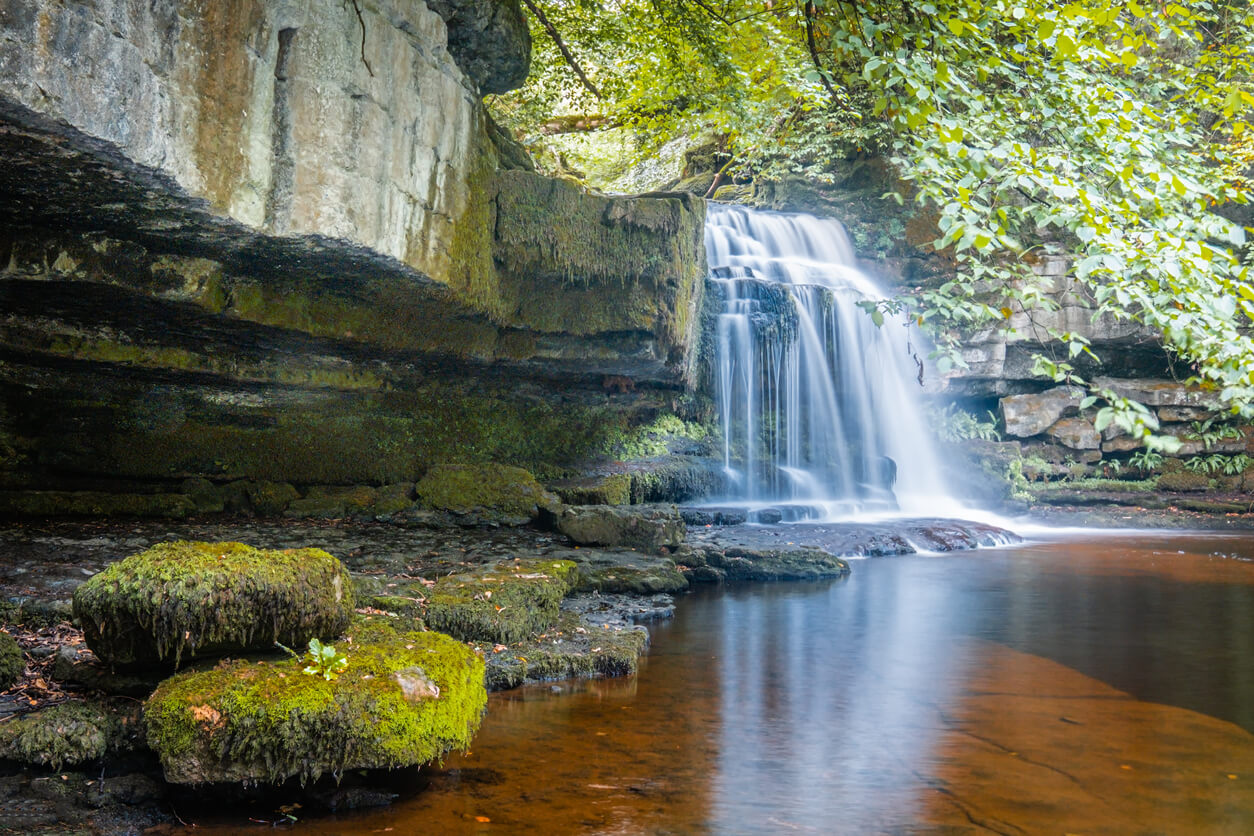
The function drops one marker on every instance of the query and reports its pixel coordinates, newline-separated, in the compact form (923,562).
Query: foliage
(1210,434)
(1146,460)
(1218,463)
(320,660)
(1106,133)
(953,423)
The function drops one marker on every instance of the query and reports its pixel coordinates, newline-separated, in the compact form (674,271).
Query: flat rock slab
(891,537)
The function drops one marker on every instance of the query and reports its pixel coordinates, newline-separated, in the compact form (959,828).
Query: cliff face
(270,240)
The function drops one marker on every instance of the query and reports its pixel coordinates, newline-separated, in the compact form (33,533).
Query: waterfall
(819,406)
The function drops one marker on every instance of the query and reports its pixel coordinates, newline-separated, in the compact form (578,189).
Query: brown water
(1095,684)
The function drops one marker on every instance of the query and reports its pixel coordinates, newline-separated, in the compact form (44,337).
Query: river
(1085,683)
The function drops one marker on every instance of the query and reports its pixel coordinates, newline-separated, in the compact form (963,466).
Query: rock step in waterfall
(819,406)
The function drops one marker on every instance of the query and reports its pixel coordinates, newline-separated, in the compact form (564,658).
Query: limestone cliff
(269,240)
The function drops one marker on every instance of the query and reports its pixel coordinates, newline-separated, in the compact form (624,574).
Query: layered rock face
(271,241)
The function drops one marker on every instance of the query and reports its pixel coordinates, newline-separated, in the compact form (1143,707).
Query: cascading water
(818,405)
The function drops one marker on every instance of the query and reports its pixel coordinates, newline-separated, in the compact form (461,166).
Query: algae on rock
(404,699)
(70,733)
(197,599)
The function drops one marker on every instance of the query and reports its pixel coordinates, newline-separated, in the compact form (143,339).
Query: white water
(814,398)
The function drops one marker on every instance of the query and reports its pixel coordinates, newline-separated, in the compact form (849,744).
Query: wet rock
(505,603)
(1075,433)
(267,722)
(1059,454)
(70,733)
(647,529)
(12,662)
(593,641)
(1028,415)
(738,563)
(485,492)
(713,516)
(335,502)
(627,572)
(197,599)
(1184,414)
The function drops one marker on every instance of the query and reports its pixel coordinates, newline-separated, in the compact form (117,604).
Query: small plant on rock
(1146,460)
(320,660)
(1236,464)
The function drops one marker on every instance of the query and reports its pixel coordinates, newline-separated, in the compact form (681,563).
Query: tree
(1110,132)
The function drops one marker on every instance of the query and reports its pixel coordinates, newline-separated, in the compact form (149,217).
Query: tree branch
(561,45)
(808,11)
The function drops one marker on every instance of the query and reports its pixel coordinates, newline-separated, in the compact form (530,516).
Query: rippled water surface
(1097,684)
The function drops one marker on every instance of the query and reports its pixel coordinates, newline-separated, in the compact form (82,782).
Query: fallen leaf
(483,819)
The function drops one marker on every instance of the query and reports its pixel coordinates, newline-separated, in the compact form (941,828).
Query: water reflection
(1098,686)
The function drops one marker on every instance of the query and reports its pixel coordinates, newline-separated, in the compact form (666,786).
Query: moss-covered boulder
(404,699)
(611,489)
(647,529)
(203,599)
(567,650)
(70,733)
(510,602)
(12,662)
(489,492)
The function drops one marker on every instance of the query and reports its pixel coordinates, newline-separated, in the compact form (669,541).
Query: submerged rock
(647,529)
(267,722)
(484,492)
(196,599)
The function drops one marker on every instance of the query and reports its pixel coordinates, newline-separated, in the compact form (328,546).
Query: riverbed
(1085,682)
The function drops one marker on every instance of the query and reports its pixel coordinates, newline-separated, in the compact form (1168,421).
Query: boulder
(203,599)
(611,489)
(70,733)
(405,698)
(12,662)
(485,492)
(1028,415)
(1075,433)
(509,602)
(269,499)
(1156,392)
(647,529)
(632,573)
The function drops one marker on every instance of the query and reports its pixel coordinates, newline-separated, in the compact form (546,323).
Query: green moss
(67,734)
(270,498)
(210,598)
(12,662)
(510,491)
(1184,481)
(258,721)
(510,602)
(614,489)
(94,504)
(567,650)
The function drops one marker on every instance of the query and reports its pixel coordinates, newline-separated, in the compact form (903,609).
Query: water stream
(1089,684)
(819,405)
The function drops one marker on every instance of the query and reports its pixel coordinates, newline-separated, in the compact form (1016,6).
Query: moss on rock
(501,491)
(568,650)
(198,599)
(1184,481)
(613,489)
(509,603)
(12,662)
(647,529)
(94,504)
(68,734)
(404,699)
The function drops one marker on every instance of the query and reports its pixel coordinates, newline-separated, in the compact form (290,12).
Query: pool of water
(1090,683)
